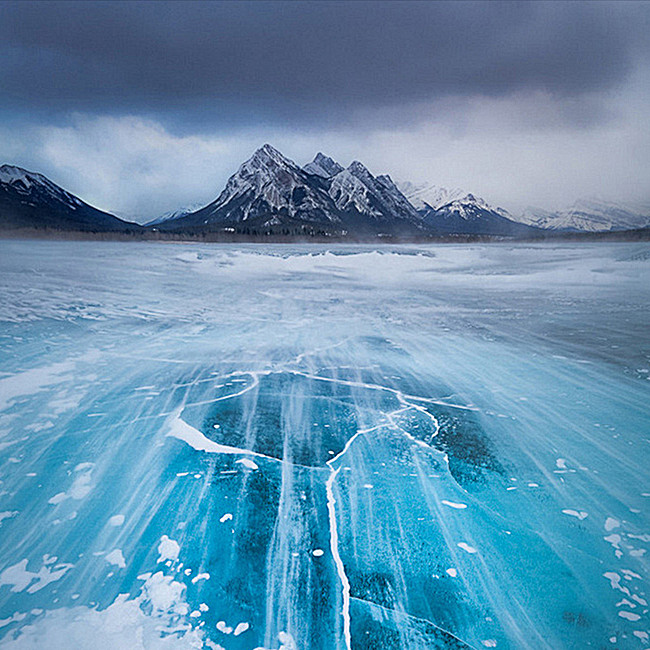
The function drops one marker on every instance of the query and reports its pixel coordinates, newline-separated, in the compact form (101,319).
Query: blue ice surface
(310,447)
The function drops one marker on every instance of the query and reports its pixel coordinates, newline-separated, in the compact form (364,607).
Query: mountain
(377,200)
(455,212)
(268,192)
(470,215)
(588,215)
(30,200)
(422,195)
(369,203)
(323,165)
(271,194)
(174,214)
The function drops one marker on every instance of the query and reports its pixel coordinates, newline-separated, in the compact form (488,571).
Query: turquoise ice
(310,447)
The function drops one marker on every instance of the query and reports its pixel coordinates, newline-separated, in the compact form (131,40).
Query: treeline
(305,234)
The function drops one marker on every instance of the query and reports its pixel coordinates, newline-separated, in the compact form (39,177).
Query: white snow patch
(168,549)
(14,618)
(222,627)
(466,547)
(241,628)
(287,641)
(200,576)
(116,520)
(20,578)
(615,540)
(115,557)
(123,624)
(615,581)
(60,497)
(579,514)
(81,485)
(247,462)
(7,514)
(457,506)
(31,381)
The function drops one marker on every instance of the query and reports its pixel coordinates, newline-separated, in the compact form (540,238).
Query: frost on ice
(293,448)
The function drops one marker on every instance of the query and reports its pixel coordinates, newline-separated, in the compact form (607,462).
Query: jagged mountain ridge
(323,165)
(270,193)
(589,215)
(422,195)
(32,201)
(355,189)
(267,191)
(448,212)
(472,215)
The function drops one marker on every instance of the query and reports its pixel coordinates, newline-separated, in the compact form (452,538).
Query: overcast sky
(144,107)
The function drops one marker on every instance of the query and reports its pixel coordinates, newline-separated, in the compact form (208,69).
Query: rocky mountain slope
(32,201)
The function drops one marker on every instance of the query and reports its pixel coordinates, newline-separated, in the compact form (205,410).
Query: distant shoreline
(237,238)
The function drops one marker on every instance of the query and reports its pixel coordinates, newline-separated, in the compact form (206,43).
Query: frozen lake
(303,447)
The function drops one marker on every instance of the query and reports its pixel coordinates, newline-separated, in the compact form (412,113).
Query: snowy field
(296,447)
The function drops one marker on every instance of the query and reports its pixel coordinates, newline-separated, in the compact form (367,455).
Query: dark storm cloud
(235,61)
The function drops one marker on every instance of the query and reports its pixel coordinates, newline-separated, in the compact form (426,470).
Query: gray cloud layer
(305,60)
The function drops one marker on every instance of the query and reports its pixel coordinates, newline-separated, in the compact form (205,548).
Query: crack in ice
(398,393)
(334,539)
(414,618)
(179,429)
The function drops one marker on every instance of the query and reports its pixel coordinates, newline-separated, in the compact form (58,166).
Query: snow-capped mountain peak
(271,191)
(588,215)
(350,193)
(422,195)
(263,165)
(31,200)
(268,190)
(355,188)
(465,205)
(12,174)
(266,173)
(470,214)
(470,198)
(361,172)
(388,182)
(26,182)
(323,165)
(470,205)
(174,214)
(269,156)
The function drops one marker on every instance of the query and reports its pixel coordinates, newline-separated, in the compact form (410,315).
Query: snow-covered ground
(297,447)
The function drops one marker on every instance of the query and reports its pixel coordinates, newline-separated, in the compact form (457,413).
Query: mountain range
(271,195)
(589,215)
